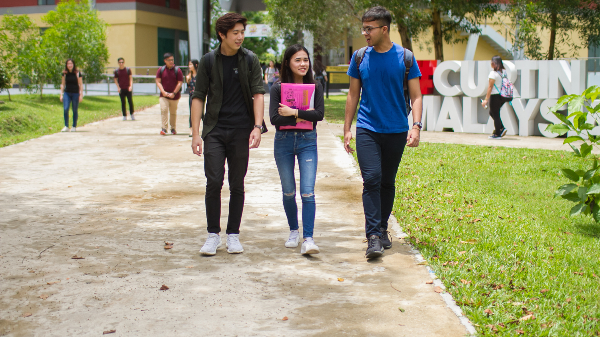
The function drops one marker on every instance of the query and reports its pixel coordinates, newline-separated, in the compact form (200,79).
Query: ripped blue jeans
(288,146)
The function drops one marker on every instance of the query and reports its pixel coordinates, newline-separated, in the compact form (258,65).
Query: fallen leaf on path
(168,245)
(43,296)
(190,267)
(401,310)
(488,312)
(544,291)
(32,271)
(164,287)
(285,318)
(70,186)
(520,332)
(465,281)
(438,290)
(472,241)
(528,317)
(27,314)
(53,282)
(429,282)
(109,332)
(424,263)
(75,257)
(340,279)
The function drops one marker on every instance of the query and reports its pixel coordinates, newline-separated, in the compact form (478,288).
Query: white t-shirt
(494,75)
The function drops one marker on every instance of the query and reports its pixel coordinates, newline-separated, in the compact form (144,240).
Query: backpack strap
(210,60)
(358,58)
(249,60)
(408,63)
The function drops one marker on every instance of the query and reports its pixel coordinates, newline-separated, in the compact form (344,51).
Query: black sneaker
(374,248)
(386,240)
(503,133)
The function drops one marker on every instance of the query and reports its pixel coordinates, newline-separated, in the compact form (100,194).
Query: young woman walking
(297,143)
(71,92)
(494,98)
(191,82)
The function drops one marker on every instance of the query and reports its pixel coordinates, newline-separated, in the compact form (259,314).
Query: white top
(271,74)
(494,75)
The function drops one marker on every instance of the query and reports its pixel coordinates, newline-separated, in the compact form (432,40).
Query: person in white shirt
(494,98)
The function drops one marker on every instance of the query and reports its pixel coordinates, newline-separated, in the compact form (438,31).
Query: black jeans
(219,145)
(379,155)
(496,103)
(124,93)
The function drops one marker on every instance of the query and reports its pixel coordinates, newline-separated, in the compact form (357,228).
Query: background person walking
(71,93)
(124,82)
(382,129)
(493,97)
(190,79)
(271,74)
(297,143)
(169,80)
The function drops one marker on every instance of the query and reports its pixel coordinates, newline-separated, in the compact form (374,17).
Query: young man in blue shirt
(382,129)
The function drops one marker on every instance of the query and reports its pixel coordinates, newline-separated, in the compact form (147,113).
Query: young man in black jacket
(232,124)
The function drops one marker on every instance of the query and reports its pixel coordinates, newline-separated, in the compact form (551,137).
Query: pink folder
(298,96)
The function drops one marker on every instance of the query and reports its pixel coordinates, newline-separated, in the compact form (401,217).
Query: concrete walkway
(85,216)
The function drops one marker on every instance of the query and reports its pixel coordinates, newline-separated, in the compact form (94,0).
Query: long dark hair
(74,66)
(286,74)
(319,67)
(195,64)
(497,62)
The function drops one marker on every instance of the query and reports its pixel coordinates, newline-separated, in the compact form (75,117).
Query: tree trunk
(8,91)
(438,43)
(552,35)
(406,41)
(41,89)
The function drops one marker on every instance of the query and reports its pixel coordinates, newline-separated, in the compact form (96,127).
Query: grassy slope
(28,116)
(486,220)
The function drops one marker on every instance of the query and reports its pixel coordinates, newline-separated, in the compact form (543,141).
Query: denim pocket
(279,135)
(309,135)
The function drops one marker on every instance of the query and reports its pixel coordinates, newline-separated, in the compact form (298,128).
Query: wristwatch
(260,127)
(419,124)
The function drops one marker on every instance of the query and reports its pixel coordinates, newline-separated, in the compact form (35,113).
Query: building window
(168,3)
(46,2)
(183,5)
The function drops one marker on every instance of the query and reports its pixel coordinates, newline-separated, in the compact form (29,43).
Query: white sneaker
(132,118)
(124,118)
(233,244)
(73,129)
(309,247)
(65,129)
(293,240)
(212,243)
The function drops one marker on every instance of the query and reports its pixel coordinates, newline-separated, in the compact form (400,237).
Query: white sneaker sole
(311,251)
(211,253)
(235,252)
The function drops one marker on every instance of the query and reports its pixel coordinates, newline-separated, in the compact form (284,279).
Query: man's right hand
(347,139)
(197,145)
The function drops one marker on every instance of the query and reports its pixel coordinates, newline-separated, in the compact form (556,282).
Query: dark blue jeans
(379,155)
(68,98)
(288,146)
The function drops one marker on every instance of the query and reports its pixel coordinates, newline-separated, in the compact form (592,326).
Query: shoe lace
(371,243)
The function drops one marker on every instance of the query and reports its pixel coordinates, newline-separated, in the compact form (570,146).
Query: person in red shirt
(169,80)
(124,82)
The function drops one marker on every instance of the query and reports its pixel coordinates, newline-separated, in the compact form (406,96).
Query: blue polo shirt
(382,106)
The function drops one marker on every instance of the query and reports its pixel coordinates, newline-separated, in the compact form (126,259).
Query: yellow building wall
(146,46)
(120,40)
(484,51)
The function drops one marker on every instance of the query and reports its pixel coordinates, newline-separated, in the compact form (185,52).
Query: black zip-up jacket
(310,115)
(251,82)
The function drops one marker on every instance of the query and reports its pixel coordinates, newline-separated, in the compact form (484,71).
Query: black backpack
(128,71)
(408,63)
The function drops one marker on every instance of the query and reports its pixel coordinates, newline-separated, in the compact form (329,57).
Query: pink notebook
(298,96)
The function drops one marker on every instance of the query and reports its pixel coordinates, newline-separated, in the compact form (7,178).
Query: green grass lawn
(486,221)
(28,116)
(334,109)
